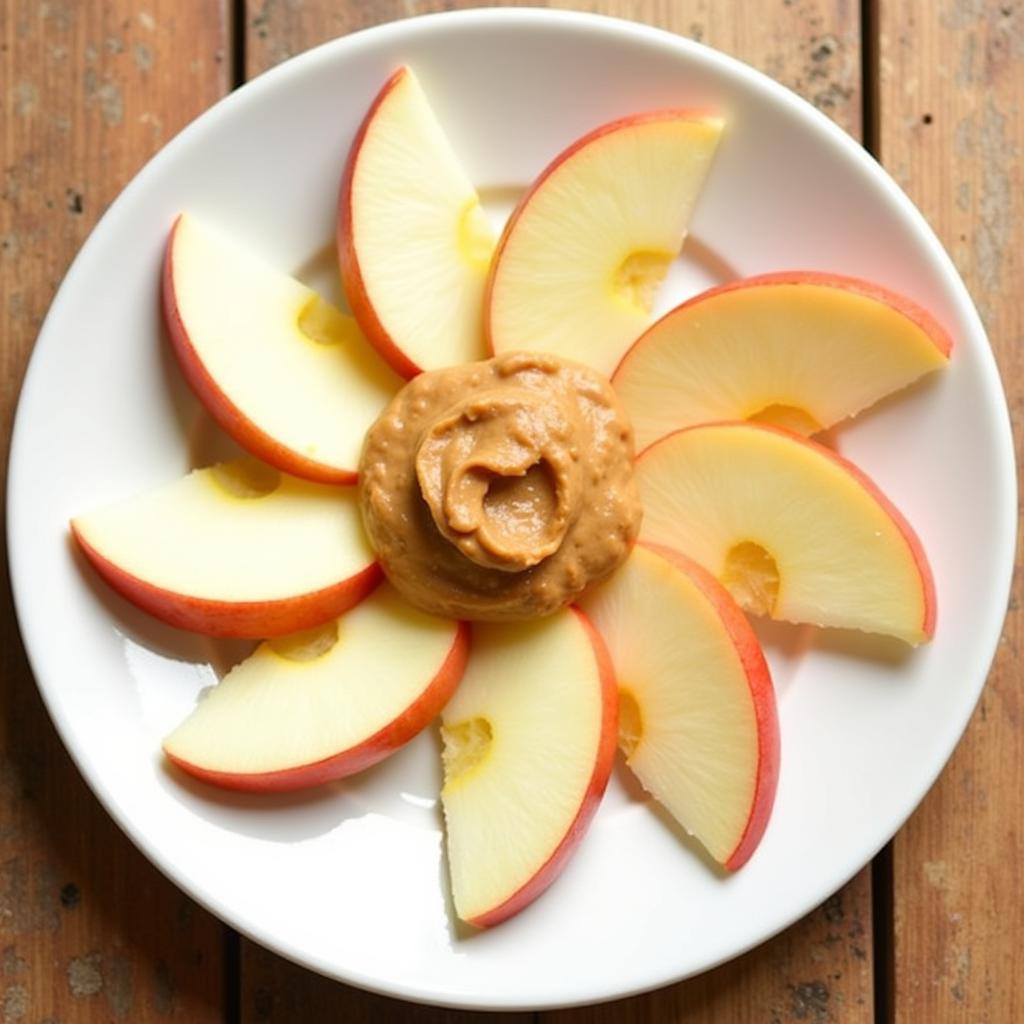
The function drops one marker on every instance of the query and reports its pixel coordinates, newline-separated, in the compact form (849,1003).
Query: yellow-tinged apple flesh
(799,349)
(580,260)
(697,718)
(414,243)
(287,375)
(791,528)
(529,739)
(316,706)
(235,550)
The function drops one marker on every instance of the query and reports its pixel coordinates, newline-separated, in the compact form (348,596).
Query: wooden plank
(951,93)
(820,970)
(89,931)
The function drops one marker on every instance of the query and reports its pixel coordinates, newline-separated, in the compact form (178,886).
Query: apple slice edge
(598,783)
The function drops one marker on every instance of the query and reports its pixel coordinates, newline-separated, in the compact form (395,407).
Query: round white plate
(349,879)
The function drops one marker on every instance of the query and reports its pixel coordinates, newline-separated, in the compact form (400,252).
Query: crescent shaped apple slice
(697,718)
(329,702)
(581,258)
(414,243)
(791,529)
(287,375)
(234,550)
(798,349)
(529,740)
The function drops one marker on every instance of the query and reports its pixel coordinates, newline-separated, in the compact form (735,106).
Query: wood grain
(89,931)
(951,100)
(820,970)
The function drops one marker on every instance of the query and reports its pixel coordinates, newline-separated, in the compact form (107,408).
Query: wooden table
(928,934)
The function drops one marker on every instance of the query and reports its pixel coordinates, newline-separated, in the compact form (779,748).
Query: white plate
(349,879)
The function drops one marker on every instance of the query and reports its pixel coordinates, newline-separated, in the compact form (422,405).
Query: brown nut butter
(499,490)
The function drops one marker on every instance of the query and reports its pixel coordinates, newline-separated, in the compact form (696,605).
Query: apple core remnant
(499,490)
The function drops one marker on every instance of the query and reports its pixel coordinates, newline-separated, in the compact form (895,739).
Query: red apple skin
(924,569)
(762,690)
(670,114)
(348,262)
(230,418)
(918,315)
(607,744)
(399,731)
(249,620)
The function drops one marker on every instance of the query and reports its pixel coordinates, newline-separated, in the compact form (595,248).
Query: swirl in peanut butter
(500,490)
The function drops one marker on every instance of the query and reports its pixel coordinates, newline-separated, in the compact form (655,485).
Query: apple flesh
(799,349)
(318,705)
(697,718)
(287,375)
(234,550)
(791,529)
(580,260)
(414,243)
(529,740)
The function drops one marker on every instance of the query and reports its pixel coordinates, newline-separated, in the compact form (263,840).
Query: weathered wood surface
(820,970)
(89,930)
(951,105)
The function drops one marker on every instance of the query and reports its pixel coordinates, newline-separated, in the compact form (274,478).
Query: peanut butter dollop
(499,490)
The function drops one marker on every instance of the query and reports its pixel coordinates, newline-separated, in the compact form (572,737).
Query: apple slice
(414,243)
(799,349)
(793,530)
(697,719)
(529,740)
(287,375)
(235,550)
(581,258)
(324,703)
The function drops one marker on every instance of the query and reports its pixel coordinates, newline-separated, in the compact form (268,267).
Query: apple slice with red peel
(798,349)
(697,718)
(580,260)
(325,703)
(414,243)
(529,740)
(287,375)
(791,529)
(234,550)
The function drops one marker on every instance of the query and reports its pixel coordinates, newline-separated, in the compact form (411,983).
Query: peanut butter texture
(499,490)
